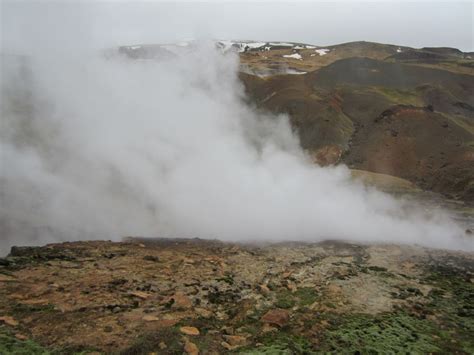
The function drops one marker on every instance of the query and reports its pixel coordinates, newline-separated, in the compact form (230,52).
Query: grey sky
(108,23)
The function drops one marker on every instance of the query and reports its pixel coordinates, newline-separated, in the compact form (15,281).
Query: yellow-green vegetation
(149,342)
(400,97)
(384,182)
(462,122)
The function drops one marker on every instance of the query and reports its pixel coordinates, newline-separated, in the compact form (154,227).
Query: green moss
(285,299)
(306,296)
(452,302)
(281,344)
(13,346)
(303,296)
(390,333)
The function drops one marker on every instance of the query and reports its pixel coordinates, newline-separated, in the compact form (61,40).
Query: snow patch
(294,55)
(322,51)
(239,46)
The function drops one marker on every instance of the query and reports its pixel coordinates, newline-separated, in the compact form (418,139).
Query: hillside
(380,108)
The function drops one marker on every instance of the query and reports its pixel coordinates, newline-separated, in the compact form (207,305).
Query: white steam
(104,148)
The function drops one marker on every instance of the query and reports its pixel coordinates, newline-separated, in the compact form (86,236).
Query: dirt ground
(200,296)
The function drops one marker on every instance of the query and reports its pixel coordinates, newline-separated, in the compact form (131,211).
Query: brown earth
(169,296)
(384,116)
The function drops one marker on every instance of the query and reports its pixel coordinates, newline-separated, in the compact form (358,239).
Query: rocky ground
(199,296)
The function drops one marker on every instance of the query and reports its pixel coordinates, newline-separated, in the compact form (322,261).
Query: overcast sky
(109,23)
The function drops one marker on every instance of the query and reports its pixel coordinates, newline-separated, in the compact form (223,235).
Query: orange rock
(181,301)
(9,320)
(191,348)
(150,318)
(276,316)
(189,330)
(264,289)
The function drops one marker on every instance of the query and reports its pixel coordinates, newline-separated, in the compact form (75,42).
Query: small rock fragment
(276,316)
(264,289)
(203,312)
(235,340)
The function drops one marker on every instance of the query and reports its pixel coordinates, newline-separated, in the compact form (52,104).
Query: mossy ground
(10,345)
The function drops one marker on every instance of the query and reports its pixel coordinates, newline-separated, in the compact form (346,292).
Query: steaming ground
(97,148)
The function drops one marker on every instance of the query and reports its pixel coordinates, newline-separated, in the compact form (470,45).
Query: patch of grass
(149,342)
(20,308)
(285,299)
(306,296)
(303,296)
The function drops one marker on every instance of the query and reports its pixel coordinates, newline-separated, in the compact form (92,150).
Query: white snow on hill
(284,44)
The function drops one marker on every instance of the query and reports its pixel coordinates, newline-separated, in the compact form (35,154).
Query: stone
(150,318)
(267,328)
(264,289)
(191,348)
(189,330)
(179,301)
(235,340)
(9,321)
(276,316)
(203,312)
(227,346)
